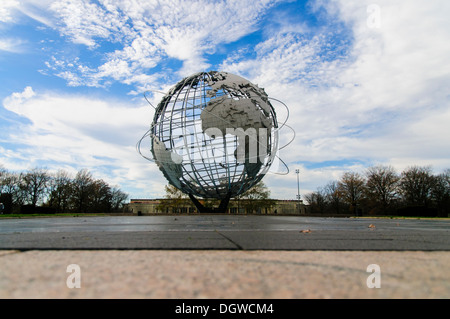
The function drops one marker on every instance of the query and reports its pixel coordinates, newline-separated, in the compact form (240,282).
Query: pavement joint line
(231,241)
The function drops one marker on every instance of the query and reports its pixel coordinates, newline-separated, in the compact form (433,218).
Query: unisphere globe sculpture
(214,135)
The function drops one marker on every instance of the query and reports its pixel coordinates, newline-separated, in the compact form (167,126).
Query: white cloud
(84,21)
(6,6)
(77,132)
(384,101)
(150,31)
(10,10)
(18,98)
(13,45)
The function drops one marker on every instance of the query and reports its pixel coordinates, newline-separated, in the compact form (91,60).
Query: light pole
(297,171)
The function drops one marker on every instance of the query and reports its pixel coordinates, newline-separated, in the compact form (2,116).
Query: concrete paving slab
(224,257)
(161,274)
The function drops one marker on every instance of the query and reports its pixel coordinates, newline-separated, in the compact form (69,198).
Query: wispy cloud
(13,45)
(148,32)
(79,132)
(10,10)
(378,95)
(6,7)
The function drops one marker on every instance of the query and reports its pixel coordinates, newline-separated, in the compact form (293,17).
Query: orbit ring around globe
(214,135)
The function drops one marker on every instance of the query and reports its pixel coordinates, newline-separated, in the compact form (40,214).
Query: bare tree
(333,196)
(60,191)
(34,185)
(118,198)
(351,189)
(317,201)
(382,186)
(100,199)
(441,192)
(10,184)
(11,193)
(416,185)
(82,190)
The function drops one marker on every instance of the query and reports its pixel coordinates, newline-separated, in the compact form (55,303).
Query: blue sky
(366,82)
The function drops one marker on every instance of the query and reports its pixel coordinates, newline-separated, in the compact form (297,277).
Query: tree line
(380,190)
(38,190)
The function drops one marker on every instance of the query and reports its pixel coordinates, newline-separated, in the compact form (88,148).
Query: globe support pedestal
(222,209)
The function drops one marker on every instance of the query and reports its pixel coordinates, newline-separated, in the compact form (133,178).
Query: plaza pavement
(224,256)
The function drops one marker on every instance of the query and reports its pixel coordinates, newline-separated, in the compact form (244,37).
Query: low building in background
(167,206)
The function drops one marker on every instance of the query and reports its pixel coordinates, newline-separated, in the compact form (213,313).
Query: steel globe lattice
(214,134)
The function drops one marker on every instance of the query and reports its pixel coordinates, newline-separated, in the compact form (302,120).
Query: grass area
(400,217)
(51,215)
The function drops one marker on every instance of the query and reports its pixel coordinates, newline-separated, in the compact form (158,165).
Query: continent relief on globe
(248,110)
